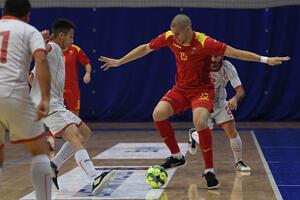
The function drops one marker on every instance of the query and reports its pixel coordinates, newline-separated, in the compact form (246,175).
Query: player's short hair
(62,25)
(181,21)
(17,8)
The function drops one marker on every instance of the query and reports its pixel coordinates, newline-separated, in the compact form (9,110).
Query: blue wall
(129,93)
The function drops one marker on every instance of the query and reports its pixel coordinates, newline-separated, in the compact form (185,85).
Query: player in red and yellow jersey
(193,89)
(74,55)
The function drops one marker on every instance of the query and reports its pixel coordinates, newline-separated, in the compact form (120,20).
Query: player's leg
(236,145)
(67,150)
(193,136)
(225,120)
(202,106)
(169,104)
(24,129)
(67,123)
(200,118)
(40,168)
(76,139)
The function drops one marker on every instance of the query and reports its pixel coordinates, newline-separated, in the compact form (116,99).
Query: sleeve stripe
(40,49)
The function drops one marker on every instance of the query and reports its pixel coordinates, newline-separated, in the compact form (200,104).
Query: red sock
(167,134)
(205,139)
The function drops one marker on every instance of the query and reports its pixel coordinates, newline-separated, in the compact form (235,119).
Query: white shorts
(58,121)
(220,115)
(18,116)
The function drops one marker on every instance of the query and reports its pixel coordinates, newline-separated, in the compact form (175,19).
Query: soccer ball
(156,176)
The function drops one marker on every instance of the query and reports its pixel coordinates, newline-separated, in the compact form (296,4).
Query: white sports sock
(195,136)
(177,155)
(84,162)
(237,149)
(41,177)
(63,155)
(209,170)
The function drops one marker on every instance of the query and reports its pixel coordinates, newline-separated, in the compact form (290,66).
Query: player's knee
(85,131)
(159,114)
(86,134)
(200,124)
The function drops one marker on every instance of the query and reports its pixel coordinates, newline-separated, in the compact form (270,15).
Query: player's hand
(46,35)
(109,62)
(277,60)
(232,104)
(43,109)
(87,78)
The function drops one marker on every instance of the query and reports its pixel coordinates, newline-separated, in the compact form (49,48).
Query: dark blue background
(130,93)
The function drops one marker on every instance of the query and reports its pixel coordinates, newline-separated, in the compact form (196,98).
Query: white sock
(209,170)
(84,162)
(63,154)
(41,177)
(177,155)
(195,136)
(237,149)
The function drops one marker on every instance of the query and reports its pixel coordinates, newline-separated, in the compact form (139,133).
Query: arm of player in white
(235,83)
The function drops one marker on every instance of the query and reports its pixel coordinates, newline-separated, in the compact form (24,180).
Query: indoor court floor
(272,150)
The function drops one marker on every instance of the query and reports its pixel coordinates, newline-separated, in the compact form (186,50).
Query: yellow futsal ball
(156,176)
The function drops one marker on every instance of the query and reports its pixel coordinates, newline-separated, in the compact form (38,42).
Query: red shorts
(182,100)
(72,98)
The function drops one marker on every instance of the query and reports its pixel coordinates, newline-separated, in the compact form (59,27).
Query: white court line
(266,166)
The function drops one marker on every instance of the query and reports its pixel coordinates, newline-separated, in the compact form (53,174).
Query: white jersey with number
(57,70)
(18,42)
(220,79)
(59,117)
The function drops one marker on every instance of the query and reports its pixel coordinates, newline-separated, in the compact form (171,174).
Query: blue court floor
(281,149)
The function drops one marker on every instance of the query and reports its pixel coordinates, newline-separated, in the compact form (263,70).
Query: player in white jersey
(62,121)
(19,43)
(223,71)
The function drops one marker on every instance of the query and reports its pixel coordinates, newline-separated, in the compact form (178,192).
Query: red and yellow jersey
(73,55)
(193,60)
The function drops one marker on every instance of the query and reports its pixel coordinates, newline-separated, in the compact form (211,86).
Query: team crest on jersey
(71,52)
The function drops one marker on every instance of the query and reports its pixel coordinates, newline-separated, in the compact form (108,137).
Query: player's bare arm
(239,94)
(43,75)
(87,75)
(250,56)
(136,53)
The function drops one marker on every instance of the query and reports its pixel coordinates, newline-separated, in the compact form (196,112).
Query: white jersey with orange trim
(222,114)
(57,71)
(220,79)
(18,42)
